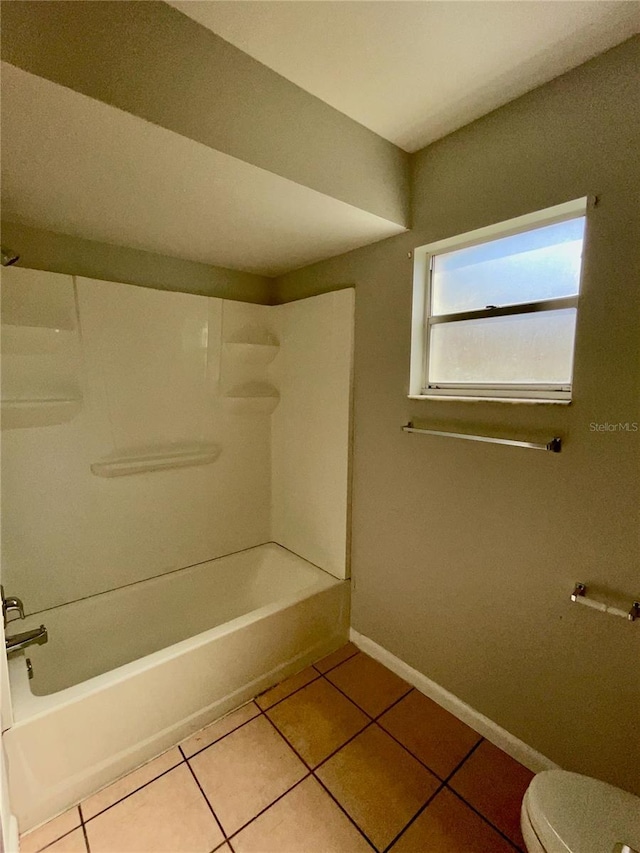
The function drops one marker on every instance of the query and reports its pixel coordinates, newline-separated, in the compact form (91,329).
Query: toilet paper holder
(579,595)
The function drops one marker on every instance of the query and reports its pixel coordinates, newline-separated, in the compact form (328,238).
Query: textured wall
(464,555)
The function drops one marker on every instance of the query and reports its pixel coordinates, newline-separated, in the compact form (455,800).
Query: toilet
(564,812)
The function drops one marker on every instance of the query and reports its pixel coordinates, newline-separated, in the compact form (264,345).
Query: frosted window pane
(518,348)
(539,264)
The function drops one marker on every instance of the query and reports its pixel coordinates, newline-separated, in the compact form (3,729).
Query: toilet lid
(575,814)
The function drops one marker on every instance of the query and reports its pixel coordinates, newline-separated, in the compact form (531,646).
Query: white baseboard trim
(513,746)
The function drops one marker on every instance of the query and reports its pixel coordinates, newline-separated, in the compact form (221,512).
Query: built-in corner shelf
(253,397)
(27,412)
(246,354)
(41,352)
(252,353)
(156,459)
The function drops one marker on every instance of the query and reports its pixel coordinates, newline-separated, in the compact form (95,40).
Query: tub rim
(27,705)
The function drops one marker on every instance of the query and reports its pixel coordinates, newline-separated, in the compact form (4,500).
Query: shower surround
(146,432)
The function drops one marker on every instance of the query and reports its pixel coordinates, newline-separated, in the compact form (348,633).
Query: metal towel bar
(554,446)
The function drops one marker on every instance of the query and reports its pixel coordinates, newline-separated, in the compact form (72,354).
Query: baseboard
(513,746)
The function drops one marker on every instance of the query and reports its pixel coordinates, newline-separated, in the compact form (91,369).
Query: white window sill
(529,401)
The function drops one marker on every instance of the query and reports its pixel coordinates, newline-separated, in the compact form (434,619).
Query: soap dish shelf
(20,413)
(162,459)
(253,397)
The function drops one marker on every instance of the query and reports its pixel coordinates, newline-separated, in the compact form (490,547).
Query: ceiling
(248,143)
(416,71)
(75,165)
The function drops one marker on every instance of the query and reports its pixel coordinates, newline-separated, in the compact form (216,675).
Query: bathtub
(128,673)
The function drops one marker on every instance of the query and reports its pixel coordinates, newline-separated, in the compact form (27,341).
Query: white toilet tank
(567,813)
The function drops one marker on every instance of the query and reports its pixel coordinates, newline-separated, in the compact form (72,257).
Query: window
(494,310)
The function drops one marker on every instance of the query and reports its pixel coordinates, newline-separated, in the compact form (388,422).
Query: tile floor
(343,757)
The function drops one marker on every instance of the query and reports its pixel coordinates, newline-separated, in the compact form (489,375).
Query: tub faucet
(10,604)
(18,642)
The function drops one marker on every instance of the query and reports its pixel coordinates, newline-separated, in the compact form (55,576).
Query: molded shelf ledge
(252,353)
(142,462)
(253,398)
(26,412)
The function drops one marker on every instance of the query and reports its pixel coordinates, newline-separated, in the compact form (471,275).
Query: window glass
(540,264)
(533,348)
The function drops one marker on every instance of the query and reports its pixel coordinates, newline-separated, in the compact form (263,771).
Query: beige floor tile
(306,819)
(286,688)
(378,783)
(30,842)
(131,782)
(72,843)
(494,784)
(167,816)
(246,771)
(317,720)
(219,729)
(432,734)
(448,826)
(371,686)
(336,657)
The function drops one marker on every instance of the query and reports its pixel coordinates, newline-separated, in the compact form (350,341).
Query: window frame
(423,321)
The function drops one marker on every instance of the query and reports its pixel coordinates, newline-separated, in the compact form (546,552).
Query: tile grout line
(135,790)
(298,689)
(375,720)
(460,797)
(372,721)
(345,812)
(441,787)
(485,819)
(337,750)
(445,781)
(336,665)
(420,811)
(464,760)
(185,758)
(353,701)
(222,737)
(311,771)
(55,840)
(317,677)
(197,781)
(84,829)
(237,832)
(321,783)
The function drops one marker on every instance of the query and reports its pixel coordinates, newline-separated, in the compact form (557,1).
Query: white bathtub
(129,673)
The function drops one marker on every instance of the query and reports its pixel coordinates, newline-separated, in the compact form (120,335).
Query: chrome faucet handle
(9,605)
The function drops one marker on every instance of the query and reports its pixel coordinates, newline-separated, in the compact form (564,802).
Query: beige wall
(464,555)
(47,250)
(154,62)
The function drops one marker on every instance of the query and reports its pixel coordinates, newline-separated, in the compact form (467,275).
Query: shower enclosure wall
(146,432)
